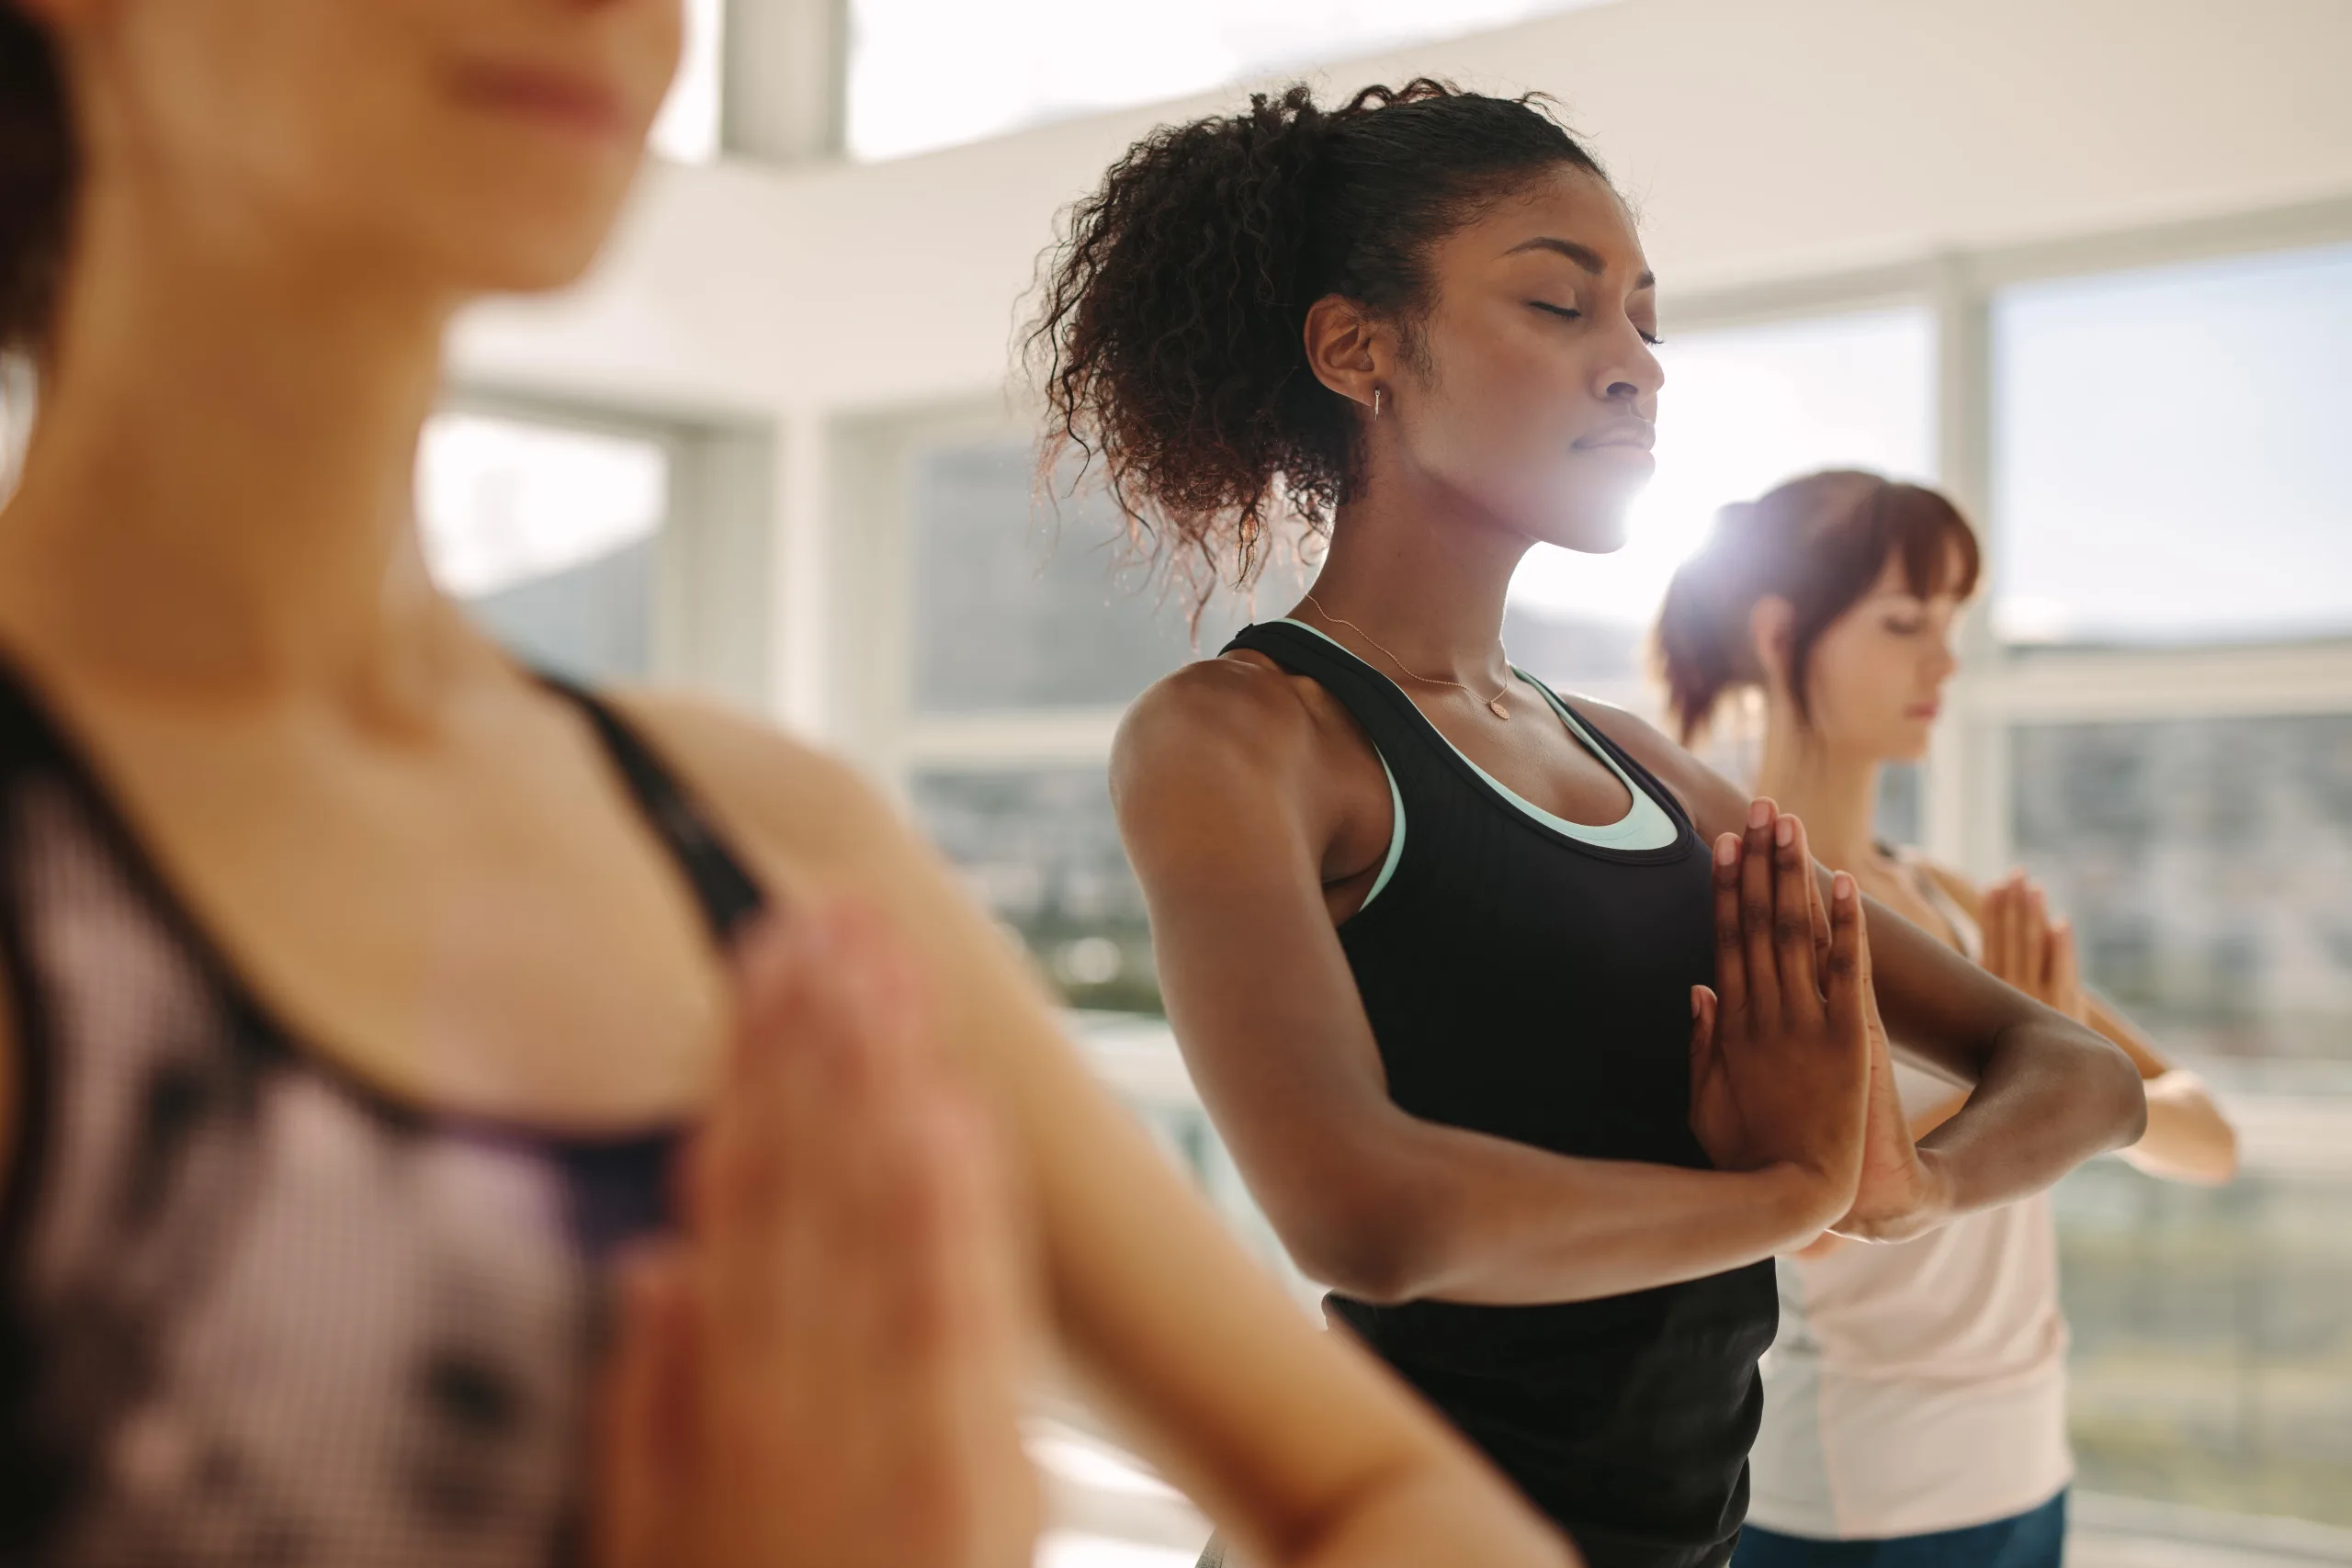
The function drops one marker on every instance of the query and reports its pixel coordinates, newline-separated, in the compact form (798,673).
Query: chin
(522,251)
(1911,747)
(1596,536)
(1589,524)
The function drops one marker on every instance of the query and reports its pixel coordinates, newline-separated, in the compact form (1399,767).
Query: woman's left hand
(2026,948)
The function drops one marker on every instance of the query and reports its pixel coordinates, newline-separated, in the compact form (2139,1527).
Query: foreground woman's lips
(567,102)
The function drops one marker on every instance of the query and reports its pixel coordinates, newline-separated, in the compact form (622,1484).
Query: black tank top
(252,1311)
(1528,984)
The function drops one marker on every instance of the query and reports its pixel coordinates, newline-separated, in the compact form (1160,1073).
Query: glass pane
(2213,1350)
(1040,848)
(1744,407)
(930,74)
(2171,464)
(2208,865)
(550,534)
(1015,608)
(687,129)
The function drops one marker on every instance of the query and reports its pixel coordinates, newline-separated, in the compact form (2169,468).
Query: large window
(551,534)
(2208,864)
(2172,458)
(930,74)
(1030,626)
(1020,602)
(2159,463)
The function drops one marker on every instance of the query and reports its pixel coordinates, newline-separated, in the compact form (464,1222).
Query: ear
(1348,350)
(1771,633)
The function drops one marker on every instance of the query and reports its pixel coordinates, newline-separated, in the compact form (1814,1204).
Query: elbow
(2125,1092)
(1381,1252)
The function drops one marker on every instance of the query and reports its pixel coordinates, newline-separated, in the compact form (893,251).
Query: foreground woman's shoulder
(796,808)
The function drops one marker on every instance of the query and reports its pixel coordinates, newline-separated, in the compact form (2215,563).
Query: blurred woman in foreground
(362,984)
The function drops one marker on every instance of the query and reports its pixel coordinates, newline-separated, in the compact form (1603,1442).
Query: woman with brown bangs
(1915,1402)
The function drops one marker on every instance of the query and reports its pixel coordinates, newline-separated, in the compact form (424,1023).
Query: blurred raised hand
(823,1370)
(2028,948)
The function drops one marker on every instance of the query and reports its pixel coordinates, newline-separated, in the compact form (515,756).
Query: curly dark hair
(37,172)
(1170,336)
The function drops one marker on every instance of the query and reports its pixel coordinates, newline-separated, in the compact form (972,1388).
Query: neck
(1835,794)
(1425,575)
(219,486)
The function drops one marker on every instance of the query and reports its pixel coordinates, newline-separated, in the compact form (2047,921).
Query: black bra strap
(728,895)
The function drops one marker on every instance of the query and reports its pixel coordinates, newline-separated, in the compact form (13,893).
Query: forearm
(2188,1138)
(1487,1221)
(2050,1096)
(1438,1513)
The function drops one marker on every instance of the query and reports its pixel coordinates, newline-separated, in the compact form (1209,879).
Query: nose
(1631,373)
(1946,659)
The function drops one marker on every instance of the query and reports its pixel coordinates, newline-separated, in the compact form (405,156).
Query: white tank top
(1919,1386)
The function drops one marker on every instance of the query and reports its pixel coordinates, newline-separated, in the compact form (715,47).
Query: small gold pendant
(1497,705)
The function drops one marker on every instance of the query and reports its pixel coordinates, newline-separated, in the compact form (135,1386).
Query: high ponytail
(1819,542)
(1169,337)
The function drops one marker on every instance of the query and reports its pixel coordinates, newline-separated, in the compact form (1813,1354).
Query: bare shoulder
(799,811)
(1224,716)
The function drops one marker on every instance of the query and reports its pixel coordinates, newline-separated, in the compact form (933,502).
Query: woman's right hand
(2030,949)
(1781,1045)
(823,1371)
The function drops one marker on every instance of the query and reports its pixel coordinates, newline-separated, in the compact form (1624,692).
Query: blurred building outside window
(930,74)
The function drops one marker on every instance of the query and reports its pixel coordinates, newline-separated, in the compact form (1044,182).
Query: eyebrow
(1583,255)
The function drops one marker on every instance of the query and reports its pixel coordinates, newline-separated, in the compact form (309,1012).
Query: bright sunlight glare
(1744,408)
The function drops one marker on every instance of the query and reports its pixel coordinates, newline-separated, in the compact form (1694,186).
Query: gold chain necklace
(1494,705)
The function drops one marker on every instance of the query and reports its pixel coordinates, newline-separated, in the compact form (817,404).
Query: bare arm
(1302,1449)
(2188,1138)
(1215,777)
(2047,1094)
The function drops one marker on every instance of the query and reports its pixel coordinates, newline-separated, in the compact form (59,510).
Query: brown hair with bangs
(1819,542)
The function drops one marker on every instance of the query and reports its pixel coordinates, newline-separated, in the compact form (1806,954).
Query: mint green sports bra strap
(1396,836)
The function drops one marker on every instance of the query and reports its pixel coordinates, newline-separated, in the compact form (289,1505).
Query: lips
(571,103)
(1622,434)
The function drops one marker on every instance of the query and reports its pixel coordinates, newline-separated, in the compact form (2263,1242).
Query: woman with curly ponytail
(1536,1040)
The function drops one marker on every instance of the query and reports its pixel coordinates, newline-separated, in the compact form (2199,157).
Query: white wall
(1762,139)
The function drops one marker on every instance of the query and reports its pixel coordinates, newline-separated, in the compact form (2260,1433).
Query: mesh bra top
(1527,980)
(253,1312)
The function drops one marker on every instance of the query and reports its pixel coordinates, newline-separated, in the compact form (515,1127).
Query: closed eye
(1568,313)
